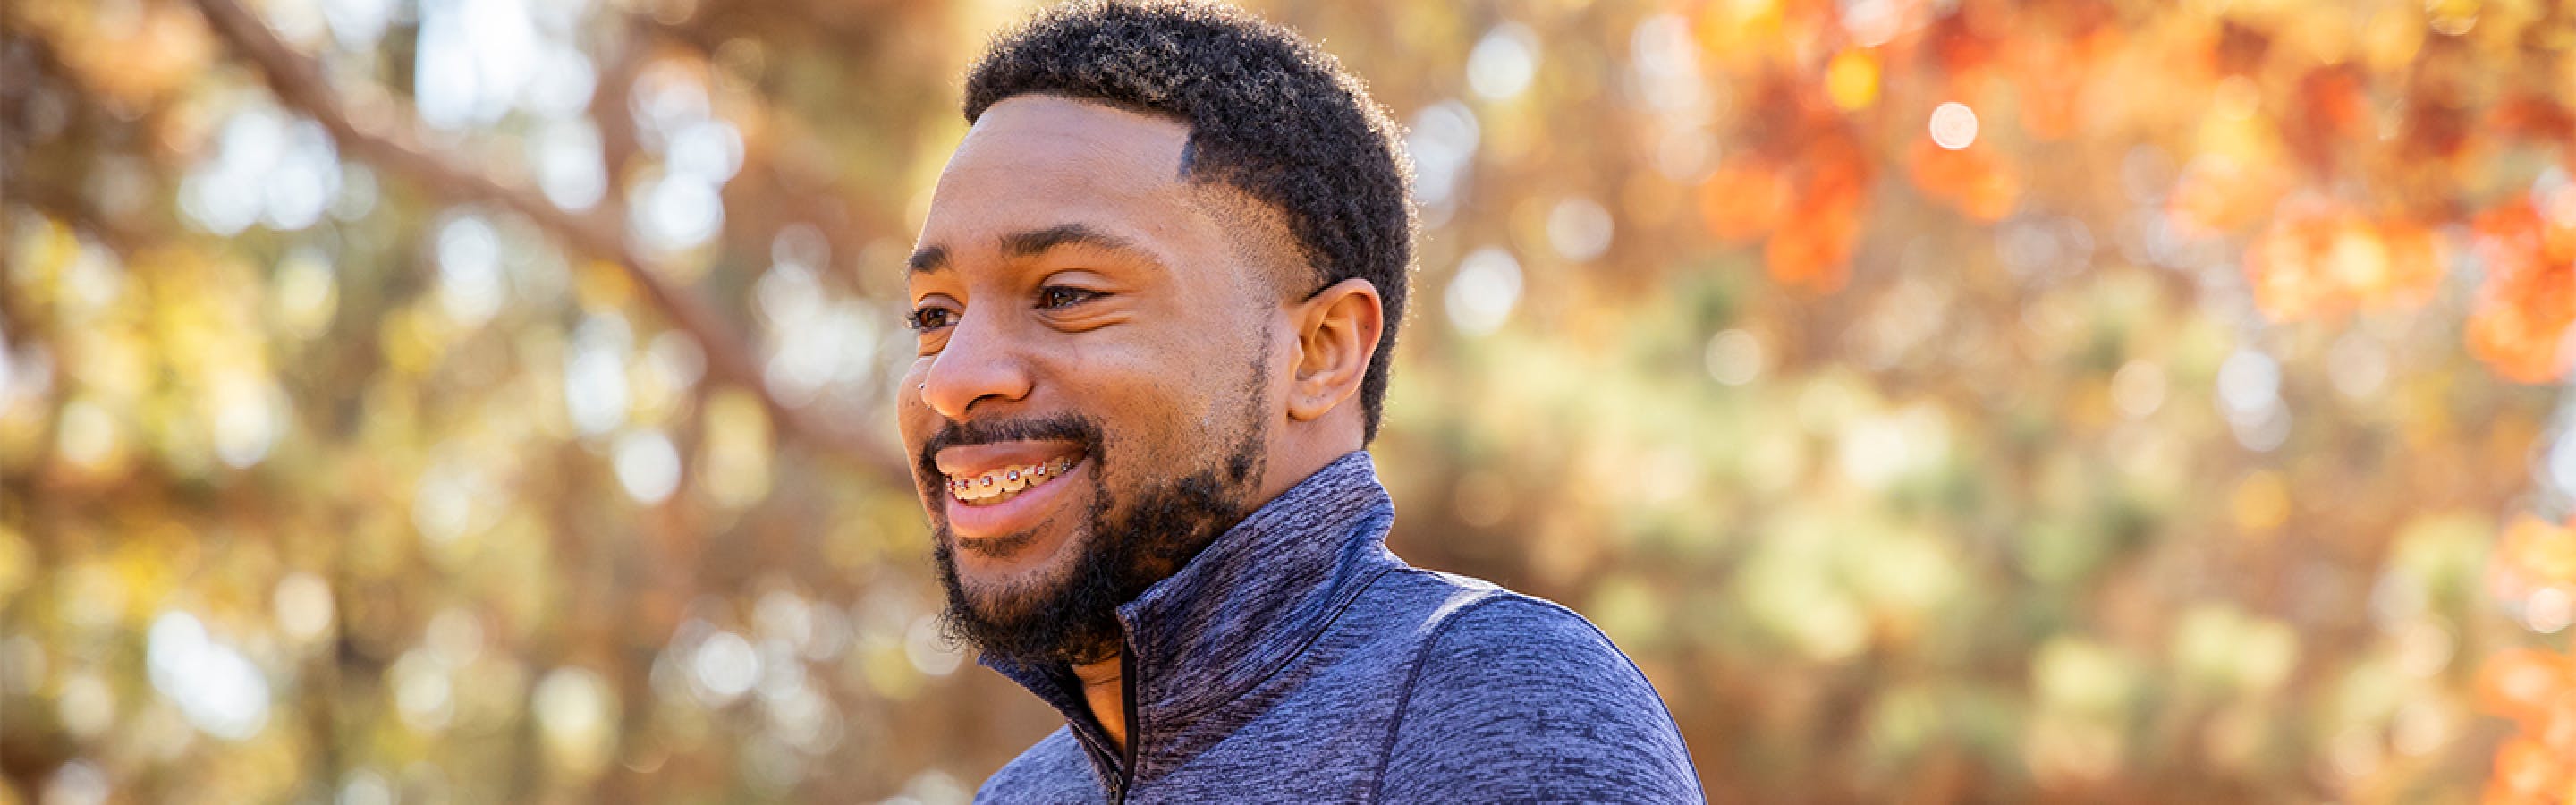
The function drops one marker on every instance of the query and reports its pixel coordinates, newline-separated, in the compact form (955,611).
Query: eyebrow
(928,259)
(1031,243)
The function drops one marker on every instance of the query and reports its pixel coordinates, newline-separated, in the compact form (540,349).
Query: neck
(1105,690)
(1307,447)
(1104,683)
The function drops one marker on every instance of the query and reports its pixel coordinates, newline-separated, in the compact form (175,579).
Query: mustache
(1063,427)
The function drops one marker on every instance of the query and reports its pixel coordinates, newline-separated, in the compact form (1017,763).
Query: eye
(926,319)
(1056,296)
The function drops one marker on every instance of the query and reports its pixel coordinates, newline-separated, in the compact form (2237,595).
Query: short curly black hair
(1270,114)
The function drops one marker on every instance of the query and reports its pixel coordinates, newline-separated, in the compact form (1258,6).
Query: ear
(1337,333)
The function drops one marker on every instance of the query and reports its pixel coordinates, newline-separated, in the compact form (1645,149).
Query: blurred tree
(2086,400)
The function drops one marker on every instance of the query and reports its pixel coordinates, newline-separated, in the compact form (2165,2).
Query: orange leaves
(2519,322)
(1745,199)
(2219,194)
(1805,194)
(2524,684)
(2535,688)
(139,57)
(1813,249)
(2332,112)
(2527,773)
(1811,225)
(2321,260)
(1970,179)
(2538,553)
(2534,116)
(2056,77)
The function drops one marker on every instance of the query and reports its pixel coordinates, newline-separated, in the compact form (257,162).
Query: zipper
(1135,729)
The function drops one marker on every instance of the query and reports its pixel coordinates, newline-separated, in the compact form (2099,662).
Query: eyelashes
(930,318)
(1062,296)
(926,319)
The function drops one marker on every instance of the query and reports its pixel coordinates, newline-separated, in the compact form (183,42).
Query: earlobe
(1337,333)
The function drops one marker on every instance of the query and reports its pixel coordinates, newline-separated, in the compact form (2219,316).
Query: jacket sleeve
(1520,700)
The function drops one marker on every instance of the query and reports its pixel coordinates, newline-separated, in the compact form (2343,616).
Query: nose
(980,362)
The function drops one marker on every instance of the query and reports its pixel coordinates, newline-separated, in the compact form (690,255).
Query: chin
(1005,584)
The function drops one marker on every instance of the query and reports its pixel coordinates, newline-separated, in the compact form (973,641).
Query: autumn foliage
(1976,401)
(2519,321)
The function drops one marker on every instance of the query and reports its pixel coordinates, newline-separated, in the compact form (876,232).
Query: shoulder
(1516,697)
(1490,623)
(1471,625)
(1053,770)
(1508,652)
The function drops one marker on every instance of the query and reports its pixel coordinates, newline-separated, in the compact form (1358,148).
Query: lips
(998,489)
(996,486)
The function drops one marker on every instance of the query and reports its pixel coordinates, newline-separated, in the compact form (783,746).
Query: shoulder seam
(1413,675)
(1338,610)
(1492,595)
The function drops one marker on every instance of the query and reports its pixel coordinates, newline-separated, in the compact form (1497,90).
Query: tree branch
(393,144)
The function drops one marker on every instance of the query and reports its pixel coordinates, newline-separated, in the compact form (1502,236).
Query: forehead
(1064,138)
(1038,161)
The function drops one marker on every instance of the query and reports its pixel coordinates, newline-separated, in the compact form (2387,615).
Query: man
(1155,296)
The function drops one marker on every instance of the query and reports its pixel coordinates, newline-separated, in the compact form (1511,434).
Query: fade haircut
(1269,113)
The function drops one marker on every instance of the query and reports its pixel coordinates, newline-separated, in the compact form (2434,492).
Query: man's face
(1093,392)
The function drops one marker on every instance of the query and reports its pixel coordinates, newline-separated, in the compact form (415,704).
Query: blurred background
(458,401)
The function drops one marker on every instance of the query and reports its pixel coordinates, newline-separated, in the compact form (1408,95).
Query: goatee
(1122,547)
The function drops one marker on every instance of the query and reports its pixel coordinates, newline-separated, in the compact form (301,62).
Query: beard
(1121,546)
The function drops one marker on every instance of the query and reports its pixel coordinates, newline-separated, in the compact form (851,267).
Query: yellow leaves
(1830,583)
(734,467)
(1851,80)
(2260,503)
(2539,551)
(2083,689)
(578,716)
(135,54)
(2320,260)
(17,561)
(304,295)
(166,358)
(1879,450)
(2234,651)
(2452,17)
(2052,452)
(1742,33)
(2391,38)
(2219,193)
(602,286)
(414,338)
(91,444)
(2082,676)
(1629,610)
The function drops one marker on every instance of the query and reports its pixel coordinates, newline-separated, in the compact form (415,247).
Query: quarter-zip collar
(1250,601)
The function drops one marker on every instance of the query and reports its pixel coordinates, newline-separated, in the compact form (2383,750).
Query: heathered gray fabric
(1297,660)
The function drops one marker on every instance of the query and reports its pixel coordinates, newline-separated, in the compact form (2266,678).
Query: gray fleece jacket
(1295,659)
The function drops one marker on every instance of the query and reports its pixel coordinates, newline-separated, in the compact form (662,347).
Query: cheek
(1167,418)
(1129,390)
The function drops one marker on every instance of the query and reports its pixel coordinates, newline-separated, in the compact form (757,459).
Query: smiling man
(1155,296)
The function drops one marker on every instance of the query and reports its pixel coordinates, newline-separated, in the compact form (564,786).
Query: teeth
(1001,484)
